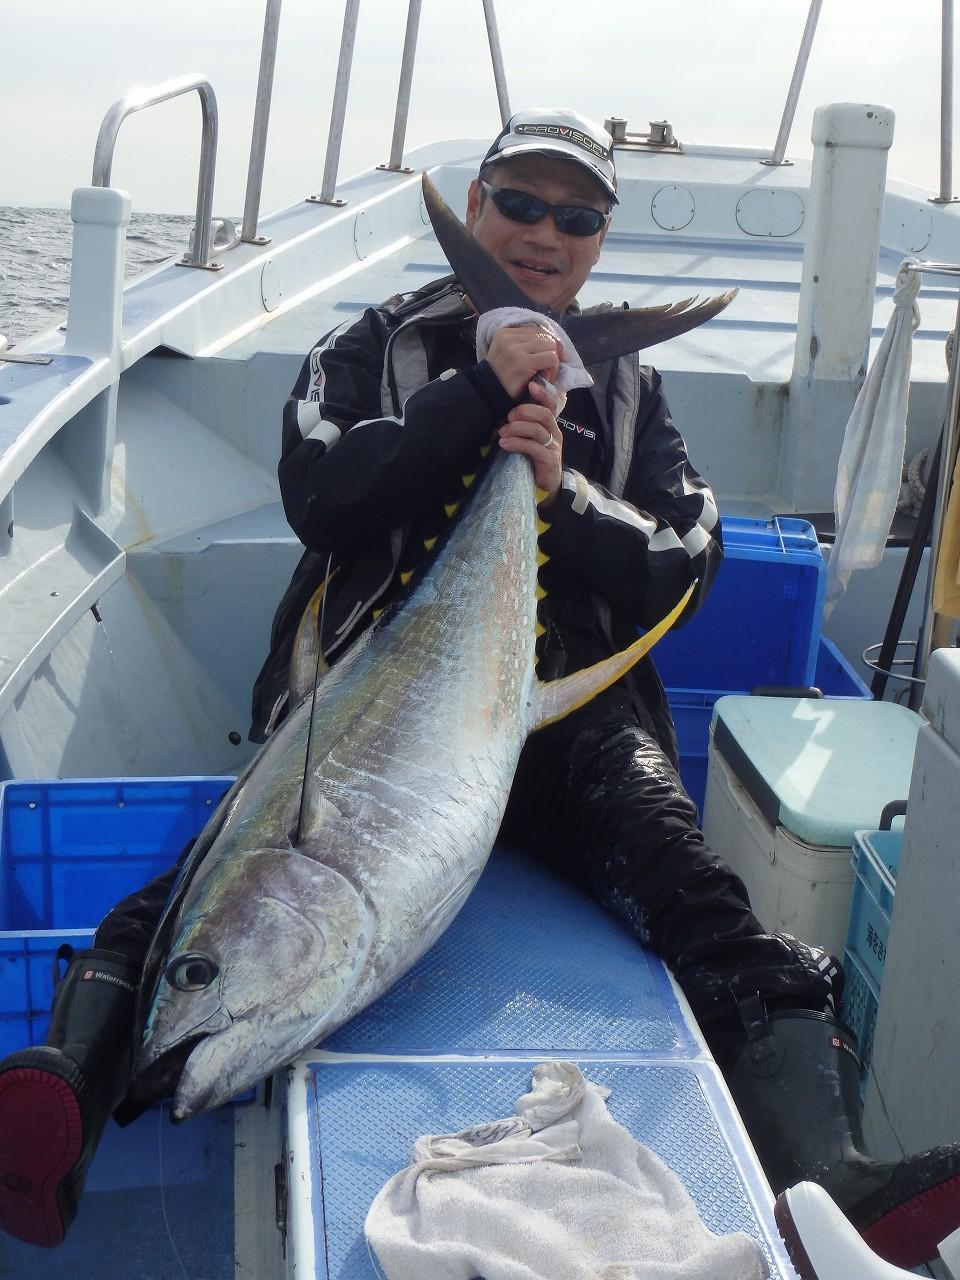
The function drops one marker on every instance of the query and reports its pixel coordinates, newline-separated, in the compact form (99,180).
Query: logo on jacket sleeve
(577,429)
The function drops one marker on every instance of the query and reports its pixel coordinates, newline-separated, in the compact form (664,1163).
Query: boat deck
(531,969)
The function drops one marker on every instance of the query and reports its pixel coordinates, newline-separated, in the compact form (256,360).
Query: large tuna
(357,833)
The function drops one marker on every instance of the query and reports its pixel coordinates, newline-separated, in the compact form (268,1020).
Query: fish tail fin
(557,698)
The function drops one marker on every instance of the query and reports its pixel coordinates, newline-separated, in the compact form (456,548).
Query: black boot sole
(41,1146)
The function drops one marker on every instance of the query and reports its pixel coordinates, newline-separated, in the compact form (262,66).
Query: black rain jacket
(376,435)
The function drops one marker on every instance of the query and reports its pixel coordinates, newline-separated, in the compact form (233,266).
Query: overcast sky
(718,70)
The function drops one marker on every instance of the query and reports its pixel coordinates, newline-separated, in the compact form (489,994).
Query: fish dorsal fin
(557,698)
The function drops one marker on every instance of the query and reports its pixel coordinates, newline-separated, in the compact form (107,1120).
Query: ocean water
(35,247)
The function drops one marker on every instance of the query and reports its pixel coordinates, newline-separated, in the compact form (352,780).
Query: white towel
(871,458)
(558,1192)
(572,371)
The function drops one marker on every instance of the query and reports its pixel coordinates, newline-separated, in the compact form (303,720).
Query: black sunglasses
(571,219)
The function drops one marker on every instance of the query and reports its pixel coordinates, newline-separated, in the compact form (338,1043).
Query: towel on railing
(871,458)
(559,1191)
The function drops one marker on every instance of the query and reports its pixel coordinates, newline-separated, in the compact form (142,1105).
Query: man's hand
(533,429)
(520,352)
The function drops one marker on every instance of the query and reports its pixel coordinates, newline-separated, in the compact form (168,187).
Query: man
(387,414)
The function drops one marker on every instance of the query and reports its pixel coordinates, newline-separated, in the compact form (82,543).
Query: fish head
(269,948)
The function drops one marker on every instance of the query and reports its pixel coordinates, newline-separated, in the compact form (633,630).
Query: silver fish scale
(416,737)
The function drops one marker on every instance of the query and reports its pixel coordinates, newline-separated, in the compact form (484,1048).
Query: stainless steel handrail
(339,109)
(946,195)
(403,91)
(197,254)
(496,57)
(395,163)
(793,93)
(261,119)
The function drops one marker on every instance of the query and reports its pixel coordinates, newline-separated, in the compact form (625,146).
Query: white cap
(555,131)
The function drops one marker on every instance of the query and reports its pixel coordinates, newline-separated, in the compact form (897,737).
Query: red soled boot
(55,1099)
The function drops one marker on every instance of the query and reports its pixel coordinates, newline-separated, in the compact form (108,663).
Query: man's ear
(603,235)
(474,194)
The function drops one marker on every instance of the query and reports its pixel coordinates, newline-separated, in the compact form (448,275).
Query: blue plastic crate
(760,622)
(860,1001)
(68,852)
(876,856)
(693,708)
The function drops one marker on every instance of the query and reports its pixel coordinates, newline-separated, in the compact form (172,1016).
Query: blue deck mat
(531,964)
(365,1117)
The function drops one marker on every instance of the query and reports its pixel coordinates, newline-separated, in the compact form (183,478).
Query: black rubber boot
(796,1083)
(55,1098)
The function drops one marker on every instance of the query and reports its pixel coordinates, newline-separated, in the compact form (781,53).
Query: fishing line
(163,1198)
(313,701)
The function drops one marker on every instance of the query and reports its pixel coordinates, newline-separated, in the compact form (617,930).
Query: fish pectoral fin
(318,811)
(439,916)
(557,698)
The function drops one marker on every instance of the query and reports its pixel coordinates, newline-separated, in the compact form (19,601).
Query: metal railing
(261,119)
(338,111)
(199,255)
(796,83)
(496,57)
(199,252)
(395,163)
(946,195)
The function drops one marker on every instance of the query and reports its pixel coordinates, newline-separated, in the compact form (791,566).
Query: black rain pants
(596,797)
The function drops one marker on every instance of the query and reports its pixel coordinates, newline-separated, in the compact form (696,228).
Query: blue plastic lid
(822,768)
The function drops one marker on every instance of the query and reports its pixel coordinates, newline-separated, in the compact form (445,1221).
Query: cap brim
(555,149)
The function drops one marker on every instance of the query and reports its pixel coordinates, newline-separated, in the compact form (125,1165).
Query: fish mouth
(220,1066)
(160,1078)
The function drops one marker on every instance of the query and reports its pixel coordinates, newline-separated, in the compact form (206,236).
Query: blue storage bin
(760,622)
(68,852)
(876,857)
(834,676)
(860,1001)
(693,708)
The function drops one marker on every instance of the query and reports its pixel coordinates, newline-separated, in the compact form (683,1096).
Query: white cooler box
(789,782)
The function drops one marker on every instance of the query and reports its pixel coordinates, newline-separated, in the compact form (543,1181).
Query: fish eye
(191,971)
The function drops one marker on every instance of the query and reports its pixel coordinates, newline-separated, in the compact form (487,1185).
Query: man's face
(549,266)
